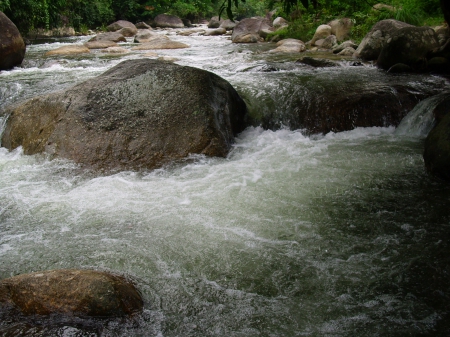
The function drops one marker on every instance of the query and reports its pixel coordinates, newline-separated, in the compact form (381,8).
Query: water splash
(420,120)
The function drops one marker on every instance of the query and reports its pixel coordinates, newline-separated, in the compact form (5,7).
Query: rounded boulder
(140,114)
(83,293)
(12,46)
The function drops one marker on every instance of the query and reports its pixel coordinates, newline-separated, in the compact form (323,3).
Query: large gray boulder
(140,114)
(249,30)
(168,21)
(70,292)
(12,47)
(370,47)
(410,46)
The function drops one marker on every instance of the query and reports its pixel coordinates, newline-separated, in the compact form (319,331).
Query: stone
(322,32)
(381,7)
(140,114)
(12,46)
(317,62)
(370,47)
(248,30)
(142,25)
(168,59)
(118,25)
(338,48)
(341,28)
(289,46)
(410,46)
(228,24)
(347,51)
(110,36)
(439,64)
(116,50)
(442,33)
(100,44)
(247,38)
(188,32)
(128,31)
(146,35)
(161,43)
(187,23)
(437,149)
(329,42)
(168,21)
(71,292)
(69,50)
(280,23)
(215,32)
(214,22)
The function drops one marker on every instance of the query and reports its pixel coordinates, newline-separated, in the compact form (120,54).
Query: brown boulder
(160,43)
(69,50)
(71,292)
(215,22)
(168,21)
(118,25)
(139,114)
(248,30)
(111,36)
(12,47)
(100,44)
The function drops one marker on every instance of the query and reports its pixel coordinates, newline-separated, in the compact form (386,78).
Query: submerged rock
(140,114)
(12,46)
(70,292)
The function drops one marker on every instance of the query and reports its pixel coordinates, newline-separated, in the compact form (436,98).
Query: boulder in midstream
(140,114)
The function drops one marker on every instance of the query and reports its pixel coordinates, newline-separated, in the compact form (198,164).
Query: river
(342,234)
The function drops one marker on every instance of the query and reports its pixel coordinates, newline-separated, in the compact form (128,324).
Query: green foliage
(304,15)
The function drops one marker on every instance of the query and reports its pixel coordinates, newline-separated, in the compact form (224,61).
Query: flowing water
(342,234)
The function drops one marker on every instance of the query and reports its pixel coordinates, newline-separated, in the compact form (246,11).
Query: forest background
(304,15)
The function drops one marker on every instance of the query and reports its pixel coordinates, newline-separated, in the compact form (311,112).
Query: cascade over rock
(139,114)
(437,149)
(70,292)
(12,47)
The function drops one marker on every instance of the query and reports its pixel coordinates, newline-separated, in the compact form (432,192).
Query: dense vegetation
(304,15)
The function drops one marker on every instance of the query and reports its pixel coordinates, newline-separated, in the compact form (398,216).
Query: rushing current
(342,234)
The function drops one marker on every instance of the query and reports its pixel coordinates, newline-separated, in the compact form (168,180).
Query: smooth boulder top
(71,292)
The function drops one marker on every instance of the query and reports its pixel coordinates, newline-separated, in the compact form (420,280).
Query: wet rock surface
(70,292)
(139,114)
